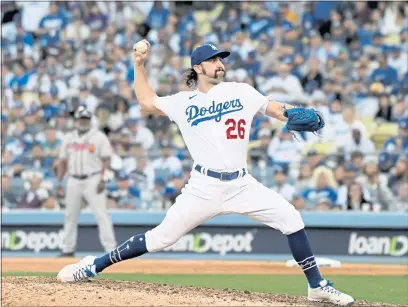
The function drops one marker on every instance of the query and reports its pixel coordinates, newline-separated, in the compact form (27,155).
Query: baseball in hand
(140,46)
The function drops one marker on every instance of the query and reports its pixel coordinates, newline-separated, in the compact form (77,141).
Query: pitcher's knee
(156,241)
(293,222)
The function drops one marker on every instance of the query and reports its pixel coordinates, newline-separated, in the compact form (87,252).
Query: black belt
(223,176)
(83,177)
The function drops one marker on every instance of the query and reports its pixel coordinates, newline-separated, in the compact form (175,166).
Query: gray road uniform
(84,154)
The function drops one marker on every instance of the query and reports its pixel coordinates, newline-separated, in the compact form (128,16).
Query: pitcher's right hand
(139,58)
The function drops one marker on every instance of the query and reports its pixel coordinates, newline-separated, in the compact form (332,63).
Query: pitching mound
(47,291)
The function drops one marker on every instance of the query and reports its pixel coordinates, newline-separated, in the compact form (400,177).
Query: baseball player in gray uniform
(85,153)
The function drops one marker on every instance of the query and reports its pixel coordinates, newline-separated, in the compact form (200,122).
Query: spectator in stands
(398,60)
(117,120)
(323,185)
(304,178)
(285,86)
(313,76)
(51,26)
(313,158)
(323,204)
(356,200)
(158,16)
(50,147)
(35,196)
(168,163)
(400,203)
(384,73)
(157,196)
(123,194)
(345,126)
(376,184)
(357,159)
(284,148)
(399,143)
(140,134)
(11,164)
(358,142)
(258,149)
(385,109)
(35,159)
(398,174)
(143,174)
(282,186)
(20,78)
(78,31)
(298,201)
(386,162)
(96,19)
(87,99)
(173,188)
(9,198)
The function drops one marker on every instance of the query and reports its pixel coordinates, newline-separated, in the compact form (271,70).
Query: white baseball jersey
(216,125)
(84,153)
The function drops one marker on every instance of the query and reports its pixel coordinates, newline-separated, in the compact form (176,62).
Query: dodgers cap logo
(205,52)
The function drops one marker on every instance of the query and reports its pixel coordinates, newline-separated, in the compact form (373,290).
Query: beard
(216,77)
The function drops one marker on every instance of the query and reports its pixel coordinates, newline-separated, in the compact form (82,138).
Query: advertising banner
(219,240)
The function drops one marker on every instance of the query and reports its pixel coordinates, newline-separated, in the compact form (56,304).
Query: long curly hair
(191,78)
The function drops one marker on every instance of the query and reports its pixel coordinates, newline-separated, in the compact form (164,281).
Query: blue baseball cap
(384,158)
(403,124)
(123,176)
(205,52)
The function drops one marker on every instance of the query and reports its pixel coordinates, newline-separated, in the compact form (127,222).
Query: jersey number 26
(235,130)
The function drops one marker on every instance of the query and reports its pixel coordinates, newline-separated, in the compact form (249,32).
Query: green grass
(387,289)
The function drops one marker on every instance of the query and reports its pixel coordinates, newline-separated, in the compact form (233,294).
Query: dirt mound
(47,291)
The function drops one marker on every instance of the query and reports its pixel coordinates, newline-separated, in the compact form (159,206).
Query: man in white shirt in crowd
(285,86)
(87,99)
(358,142)
(285,148)
(168,161)
(281,185)
(398,60)
(140,133)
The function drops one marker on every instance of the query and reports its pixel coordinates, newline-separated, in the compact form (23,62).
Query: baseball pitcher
(85,154)
(215,121)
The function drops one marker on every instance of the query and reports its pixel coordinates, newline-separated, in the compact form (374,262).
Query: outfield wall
(349,237)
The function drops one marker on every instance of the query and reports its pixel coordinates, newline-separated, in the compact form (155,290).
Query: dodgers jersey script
(216,125)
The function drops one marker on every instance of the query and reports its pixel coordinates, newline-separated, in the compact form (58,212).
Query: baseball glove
(302,119)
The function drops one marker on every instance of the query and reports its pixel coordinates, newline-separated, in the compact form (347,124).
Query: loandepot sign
(33,240)
(373,245)
(205,242)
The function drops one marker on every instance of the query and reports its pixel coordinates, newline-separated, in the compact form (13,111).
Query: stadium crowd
(346,59)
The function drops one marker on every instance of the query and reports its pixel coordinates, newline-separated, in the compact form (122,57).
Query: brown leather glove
(100,187)
(60,191)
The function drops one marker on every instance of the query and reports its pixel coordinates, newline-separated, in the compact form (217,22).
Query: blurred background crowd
(346,59)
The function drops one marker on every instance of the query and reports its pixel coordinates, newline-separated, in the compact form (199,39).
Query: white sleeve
(171,105)
(258,101)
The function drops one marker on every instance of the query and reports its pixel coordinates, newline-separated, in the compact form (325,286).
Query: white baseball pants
(205,197)
(76,189)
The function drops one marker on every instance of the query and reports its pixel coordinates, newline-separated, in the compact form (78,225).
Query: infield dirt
(47,291)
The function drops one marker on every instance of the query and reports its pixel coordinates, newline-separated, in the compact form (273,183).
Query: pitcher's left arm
(297,118)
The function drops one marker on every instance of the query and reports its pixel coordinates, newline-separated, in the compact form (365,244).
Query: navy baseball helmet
(82,112)
(206,52)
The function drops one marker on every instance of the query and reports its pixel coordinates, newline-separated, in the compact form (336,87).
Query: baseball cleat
(327,293)
(80,271)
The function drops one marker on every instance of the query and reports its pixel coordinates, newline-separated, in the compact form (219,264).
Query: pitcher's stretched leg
(187,212)
(270,208)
